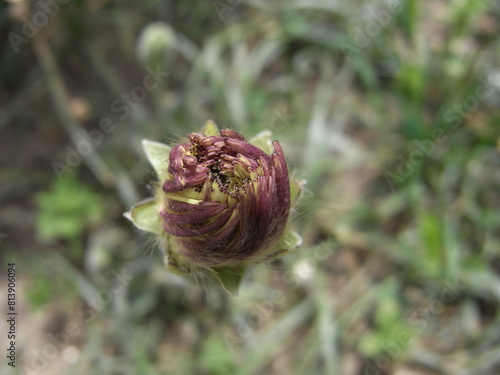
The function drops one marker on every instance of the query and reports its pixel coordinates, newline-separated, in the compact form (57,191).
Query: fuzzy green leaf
(296,188)
(289,241)
(230,278)
(210,128)
(145,216)
(263,140)
(157,154)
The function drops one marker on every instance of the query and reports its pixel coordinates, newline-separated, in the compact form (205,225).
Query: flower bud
(155,43)
(223,203)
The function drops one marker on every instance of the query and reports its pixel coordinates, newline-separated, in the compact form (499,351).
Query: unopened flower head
(223,203)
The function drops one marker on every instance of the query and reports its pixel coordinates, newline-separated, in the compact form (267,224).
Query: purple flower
(224,203)
(242,198)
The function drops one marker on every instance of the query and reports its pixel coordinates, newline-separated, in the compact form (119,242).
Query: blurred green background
(389,109)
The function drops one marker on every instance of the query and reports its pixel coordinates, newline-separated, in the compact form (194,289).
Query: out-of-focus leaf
(66,209)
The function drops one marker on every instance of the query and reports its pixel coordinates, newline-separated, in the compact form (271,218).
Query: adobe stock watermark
(363,36)
(122,107)
(56,343)
(47,10)
(244,327)
(419,321)
(453,115)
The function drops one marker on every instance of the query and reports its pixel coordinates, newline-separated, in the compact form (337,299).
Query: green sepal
(229,277)
(263,140)
(145,216)
(296,188)
(173,262)
(210,129)
(157,154)
(288,242)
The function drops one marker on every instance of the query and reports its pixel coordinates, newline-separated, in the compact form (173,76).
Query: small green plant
(67,209)
(390,327)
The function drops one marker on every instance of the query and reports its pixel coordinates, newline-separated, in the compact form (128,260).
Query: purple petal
(214,233)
